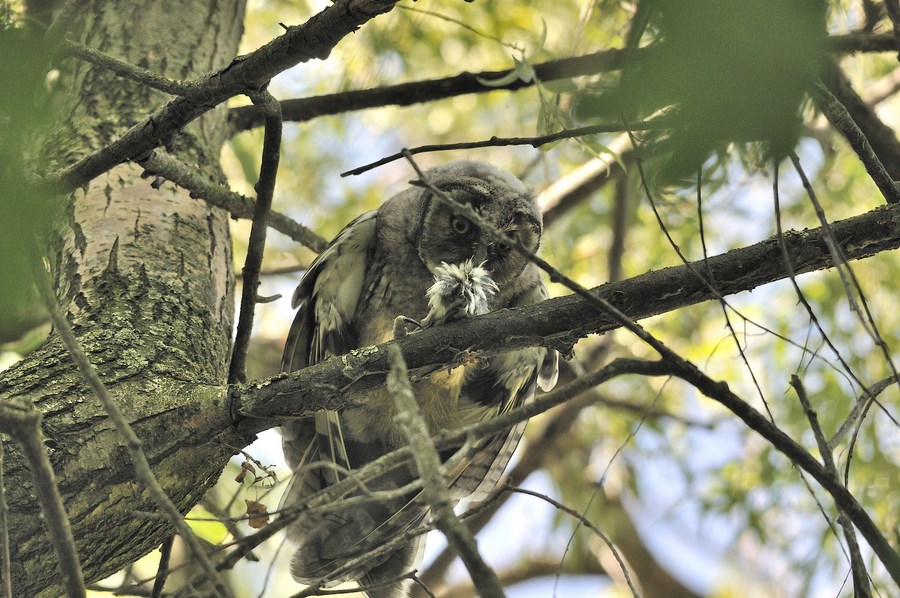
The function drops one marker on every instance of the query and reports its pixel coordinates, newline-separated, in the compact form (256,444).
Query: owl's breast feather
(438,397)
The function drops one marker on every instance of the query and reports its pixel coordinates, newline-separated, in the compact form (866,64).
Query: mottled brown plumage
(381,267)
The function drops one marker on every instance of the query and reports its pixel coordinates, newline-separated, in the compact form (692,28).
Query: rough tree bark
(146,277)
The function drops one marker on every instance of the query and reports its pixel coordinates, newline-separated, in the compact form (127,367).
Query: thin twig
(861,588)
(132,443)
(428,462)
(160,163)
(655,124)
(265,190)
(851,283)
(22,422)
(127,70)
(588,524)
(801,297)
(859,408)
(162,571)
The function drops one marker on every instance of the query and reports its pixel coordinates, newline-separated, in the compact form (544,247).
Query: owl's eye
(461,225)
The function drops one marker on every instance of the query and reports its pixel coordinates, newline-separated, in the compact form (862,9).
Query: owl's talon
(404,326)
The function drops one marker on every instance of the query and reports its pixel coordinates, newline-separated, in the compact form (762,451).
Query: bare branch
(582,520)
(861,587)
(840,118)
(881,138)
(406,94)
(126,70)
(562,321)
(265,189)
(657,123)
(849,280)
(428,464)
(162,571)
(160,163)
(22,422)
(300,43)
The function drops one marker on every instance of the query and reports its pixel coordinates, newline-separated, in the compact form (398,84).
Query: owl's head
(498,197)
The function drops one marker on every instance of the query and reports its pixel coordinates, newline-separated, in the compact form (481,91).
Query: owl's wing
(326,299)
(506,382)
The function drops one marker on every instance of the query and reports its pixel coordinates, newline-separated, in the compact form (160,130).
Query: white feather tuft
(459,290)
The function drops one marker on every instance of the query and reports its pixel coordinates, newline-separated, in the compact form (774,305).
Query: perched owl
(410,264)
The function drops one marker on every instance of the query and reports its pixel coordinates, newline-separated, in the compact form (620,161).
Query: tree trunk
(146,276)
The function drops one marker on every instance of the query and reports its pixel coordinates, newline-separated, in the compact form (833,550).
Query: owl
(412,263)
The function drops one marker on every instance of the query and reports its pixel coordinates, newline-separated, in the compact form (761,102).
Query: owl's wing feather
(506,382)
(327,296)
(326,299)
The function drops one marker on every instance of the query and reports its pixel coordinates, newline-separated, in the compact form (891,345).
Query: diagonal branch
(22,422)
(562,321)
(160,163)
(337,382)
(301,43)
(428,464)
(881,139)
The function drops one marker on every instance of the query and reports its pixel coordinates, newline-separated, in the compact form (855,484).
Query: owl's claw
(404,326)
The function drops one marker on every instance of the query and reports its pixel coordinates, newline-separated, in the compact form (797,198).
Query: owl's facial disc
(450,237)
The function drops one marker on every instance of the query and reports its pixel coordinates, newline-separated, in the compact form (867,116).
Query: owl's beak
(480,257)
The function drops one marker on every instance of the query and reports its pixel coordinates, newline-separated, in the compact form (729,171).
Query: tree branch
(22,422)
(416,92)
(657,123)
(428,464)
(333,383)
(838,115)
(300,43)
(879,136)
(126,70)
(160,163)
(861,587)
(265,189)
(562,321)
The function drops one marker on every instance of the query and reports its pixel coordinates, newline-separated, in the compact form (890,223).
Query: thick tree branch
(841,119)
(561,322)
(332,383)
(881,138)
(301,43)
